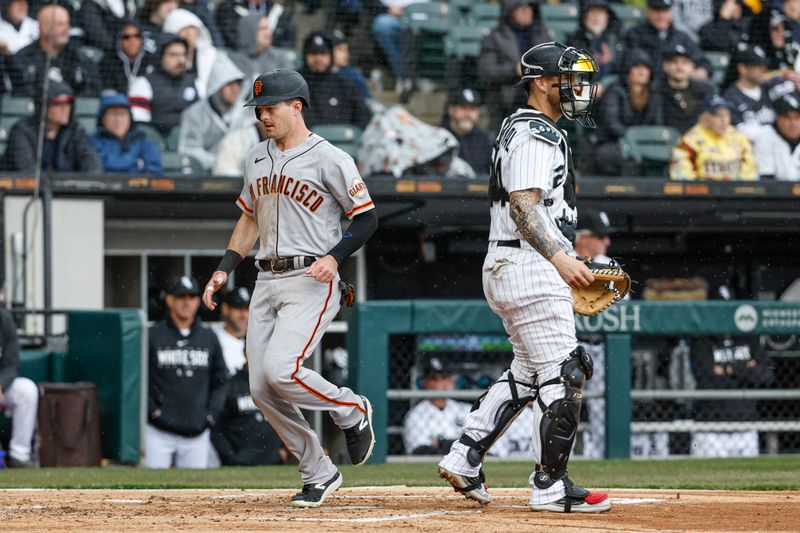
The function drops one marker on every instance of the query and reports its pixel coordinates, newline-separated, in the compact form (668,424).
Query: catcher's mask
(575,70)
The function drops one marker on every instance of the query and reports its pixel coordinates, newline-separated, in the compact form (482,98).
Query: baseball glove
(611,284)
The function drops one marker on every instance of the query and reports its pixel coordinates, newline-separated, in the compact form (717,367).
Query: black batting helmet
(575,70)
(278,86)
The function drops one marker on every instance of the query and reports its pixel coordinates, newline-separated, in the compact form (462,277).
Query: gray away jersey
(531,152)
(297,197)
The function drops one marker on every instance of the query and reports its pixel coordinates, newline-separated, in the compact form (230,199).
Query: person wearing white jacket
(776,147)
(202,53)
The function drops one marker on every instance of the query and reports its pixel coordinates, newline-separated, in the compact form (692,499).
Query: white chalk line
(366,520)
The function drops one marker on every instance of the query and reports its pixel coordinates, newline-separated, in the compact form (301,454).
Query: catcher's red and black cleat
(594,502)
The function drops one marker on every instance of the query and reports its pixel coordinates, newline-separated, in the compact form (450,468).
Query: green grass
(764,473)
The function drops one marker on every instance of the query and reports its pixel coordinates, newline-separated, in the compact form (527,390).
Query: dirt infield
(387,509)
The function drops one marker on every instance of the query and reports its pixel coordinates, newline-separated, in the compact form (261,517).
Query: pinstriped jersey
(297,197)
(531,152)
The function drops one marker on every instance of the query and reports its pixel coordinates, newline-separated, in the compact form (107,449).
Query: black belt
(510,244)
(284,264)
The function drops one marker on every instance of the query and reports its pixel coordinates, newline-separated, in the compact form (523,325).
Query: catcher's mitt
(611,284)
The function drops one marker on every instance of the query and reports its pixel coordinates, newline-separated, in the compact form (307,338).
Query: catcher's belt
(611,284)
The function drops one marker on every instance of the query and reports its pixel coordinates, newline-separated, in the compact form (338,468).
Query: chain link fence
(694,396)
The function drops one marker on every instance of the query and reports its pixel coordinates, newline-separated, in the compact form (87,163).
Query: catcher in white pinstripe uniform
(527,275)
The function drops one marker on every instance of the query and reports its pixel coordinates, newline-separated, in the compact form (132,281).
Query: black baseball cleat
(361,437)
(473,488)
(313,494)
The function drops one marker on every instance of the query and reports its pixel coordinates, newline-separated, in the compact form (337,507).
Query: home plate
(629,501)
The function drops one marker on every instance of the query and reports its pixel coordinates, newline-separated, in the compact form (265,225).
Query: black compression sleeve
(359,232)
(229,261)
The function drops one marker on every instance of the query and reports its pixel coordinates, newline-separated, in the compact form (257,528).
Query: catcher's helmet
(575,71)
(278,86)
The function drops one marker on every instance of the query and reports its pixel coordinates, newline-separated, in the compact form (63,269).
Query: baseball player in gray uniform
(527,275)
(296,188)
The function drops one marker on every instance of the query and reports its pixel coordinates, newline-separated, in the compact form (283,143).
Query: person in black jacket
(475,143)
(336,98)
(228,13)
(631,101)
(66,148)
(598,34)
(242,436)
(151,19)
(128,60)
(750,103)
(658,34)
(770,31)
(681,96)
(26,69)
(731,20)
(498,62)
(187,378)
(19,397)
(101,23)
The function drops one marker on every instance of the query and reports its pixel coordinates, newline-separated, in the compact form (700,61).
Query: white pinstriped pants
(536,308)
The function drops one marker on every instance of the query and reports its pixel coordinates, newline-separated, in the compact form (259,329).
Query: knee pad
(560,421)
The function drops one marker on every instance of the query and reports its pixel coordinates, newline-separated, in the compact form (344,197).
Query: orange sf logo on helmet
(257,87)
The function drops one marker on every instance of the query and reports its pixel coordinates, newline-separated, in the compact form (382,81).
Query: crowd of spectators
(185,66)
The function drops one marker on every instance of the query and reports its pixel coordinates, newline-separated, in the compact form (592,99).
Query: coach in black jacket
(186,382)
(242,435)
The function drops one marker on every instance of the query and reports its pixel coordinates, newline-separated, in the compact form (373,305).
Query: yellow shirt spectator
(713,149)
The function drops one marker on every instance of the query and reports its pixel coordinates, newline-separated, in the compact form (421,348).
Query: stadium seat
(17,106)
(172,138)
(153,135)
(86,106)
(650,146)
(89,124)
(485,15)
(343,136)
(628,15)
(561,19)
(433,17)
(719,66)
(464,41)
(175,163)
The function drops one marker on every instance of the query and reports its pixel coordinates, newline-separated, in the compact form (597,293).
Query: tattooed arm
(534,229)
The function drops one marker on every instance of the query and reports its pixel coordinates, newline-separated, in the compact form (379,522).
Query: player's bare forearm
(530,222)
(244,235)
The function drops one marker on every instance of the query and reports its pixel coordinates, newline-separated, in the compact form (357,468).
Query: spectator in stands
(775,146)
(498,62)
(234,147)
(19,396)
(129,60)
(151,18)
(689,16)
(475,143)
(334,98)
(388,31)
(598,34)
(791,10)
(205,122)
(256,55)
(681,96)
(281,24)
(432,425)
(726,29)
(122,147)
(243,437)
(187,378)
(341,63)
(66,147)
(713,149)
(160,97)
(750,103)
(27,65)
(768,30)
(200,9)
(201,53)
(17,29)
(634,100)
(235,311)
(102,20)
(728,362)
(657,35)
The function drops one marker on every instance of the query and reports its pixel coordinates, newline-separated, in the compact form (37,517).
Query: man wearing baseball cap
(235,311)
(750,104)
(775,146)
(475,143)
(681,96)
(186,381)
(713,149)
(658,34)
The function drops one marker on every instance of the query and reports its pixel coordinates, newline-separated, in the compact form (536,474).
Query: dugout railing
(373,324)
